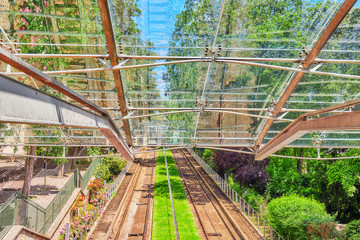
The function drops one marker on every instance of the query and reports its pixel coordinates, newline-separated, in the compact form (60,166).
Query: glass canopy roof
(204,73)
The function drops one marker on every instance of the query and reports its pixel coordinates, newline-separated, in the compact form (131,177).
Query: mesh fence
(89,172)
(7,215)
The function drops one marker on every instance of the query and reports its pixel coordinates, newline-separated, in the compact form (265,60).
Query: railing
(37,217)
(254,217)
(7,214)
(85,179)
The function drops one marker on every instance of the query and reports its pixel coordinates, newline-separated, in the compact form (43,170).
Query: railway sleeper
(141,203)
(215,234)
(151,196)
(135,234)
(200,203)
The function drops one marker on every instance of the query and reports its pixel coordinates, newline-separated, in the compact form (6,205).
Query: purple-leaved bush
(244,168)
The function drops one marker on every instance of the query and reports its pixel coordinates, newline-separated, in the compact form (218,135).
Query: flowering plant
(95,186)
(79,202)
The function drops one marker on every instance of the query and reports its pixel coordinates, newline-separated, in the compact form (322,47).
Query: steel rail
(325,36)
(125,202)
(190,196)
(171,200)
(148,201)
(202,182)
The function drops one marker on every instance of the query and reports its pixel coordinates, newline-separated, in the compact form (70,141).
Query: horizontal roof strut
(207,110)
(309,158)
(158,150)
(232,145)
(229,150)
(66,157)
(302,125)
(225,109)
(172,47)
(325,36)
(122,67)
(304,70)
(216,59)
(22,104)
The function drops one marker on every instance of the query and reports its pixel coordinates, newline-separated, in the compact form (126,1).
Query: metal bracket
(103,62)
(213,53)
(319,65)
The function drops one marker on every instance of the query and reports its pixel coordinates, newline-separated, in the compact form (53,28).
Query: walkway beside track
(129,214)
(136,216)
(103,228)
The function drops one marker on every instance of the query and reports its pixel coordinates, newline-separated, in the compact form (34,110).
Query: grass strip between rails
(163,224)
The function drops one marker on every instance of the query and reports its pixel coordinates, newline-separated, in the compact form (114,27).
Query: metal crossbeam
(343,121)
(111,47)
(40,76)
(23,104)
(335,22)
(302,125)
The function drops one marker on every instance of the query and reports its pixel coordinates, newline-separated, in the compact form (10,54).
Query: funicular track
(217,217)
(134,221)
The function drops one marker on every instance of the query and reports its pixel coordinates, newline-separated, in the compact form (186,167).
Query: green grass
(163,225)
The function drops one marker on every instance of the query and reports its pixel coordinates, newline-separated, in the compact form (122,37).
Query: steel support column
(111,46)
(335,22)
(23,104)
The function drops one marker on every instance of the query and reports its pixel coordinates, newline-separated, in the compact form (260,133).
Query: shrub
(109,167)
(295,217)
(115,164)
(102,172)
(245,169)
(353,230)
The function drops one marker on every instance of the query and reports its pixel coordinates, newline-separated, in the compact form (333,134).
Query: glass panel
(344,43)
(272,28)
